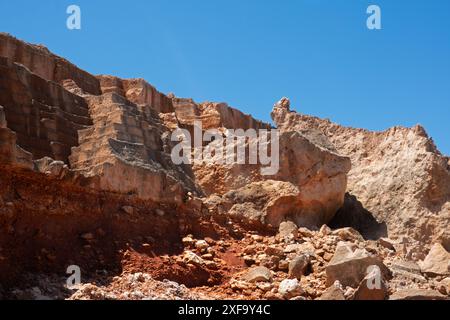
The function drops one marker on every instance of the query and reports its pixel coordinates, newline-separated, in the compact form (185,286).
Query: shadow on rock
(354,215)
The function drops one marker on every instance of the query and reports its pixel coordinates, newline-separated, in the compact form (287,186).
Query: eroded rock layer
(126,151)
(45,117)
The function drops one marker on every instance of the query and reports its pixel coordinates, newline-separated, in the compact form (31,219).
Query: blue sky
(250,53)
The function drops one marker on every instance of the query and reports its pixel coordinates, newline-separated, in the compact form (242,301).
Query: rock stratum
(88,180)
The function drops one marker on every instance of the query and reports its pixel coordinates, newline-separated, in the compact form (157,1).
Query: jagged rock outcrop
(398,175)
(312,167)
(115,139)
(214,115)
(308,162)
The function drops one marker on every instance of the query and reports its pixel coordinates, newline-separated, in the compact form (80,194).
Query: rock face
(10,152)
(307,162)
(137,91)
(106,129)
(125,150)
(45,64)
(398,175)
(45,117)
(87,178)
(214,115)
(311,182)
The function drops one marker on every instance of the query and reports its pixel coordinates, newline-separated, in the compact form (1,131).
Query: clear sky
(250,53)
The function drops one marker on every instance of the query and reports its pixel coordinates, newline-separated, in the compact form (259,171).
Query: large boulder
(318,171)
(308,169)
(309,187)
(269,203)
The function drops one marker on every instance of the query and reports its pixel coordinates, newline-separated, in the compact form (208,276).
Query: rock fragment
(350,265)
(290,288)
(334,292)
(299,266)
(258,274)
(437,262)
(288,229)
